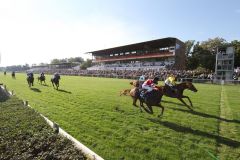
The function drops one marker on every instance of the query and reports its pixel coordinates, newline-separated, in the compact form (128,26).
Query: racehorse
(154,99)
(41,79)
(13,75)
(167,91)
(55,81)
(30,80)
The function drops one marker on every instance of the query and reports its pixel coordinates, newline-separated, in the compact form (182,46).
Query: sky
(37,31)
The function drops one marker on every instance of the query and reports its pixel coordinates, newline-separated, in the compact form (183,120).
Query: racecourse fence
(194,80)
(209,81)
(136,77)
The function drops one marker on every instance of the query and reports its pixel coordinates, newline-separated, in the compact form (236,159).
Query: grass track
(91,110)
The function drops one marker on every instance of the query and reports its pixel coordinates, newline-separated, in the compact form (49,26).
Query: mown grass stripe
(225,127)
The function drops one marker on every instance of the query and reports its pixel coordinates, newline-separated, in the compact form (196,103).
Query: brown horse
(179,92)
(152,100)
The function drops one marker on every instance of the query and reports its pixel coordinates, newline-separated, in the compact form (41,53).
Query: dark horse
(179,92)
(30,80)
(55,81)
(13,75)
(41,79)
(154,99)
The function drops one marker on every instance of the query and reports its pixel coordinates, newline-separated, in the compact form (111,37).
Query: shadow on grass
(179,104)
(179,128)
(61,90)
(35,89)
(206,115)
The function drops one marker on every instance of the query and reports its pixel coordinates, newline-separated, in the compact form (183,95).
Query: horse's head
(191,87)
(135,83)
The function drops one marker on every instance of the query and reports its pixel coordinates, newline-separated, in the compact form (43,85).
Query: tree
(65,60)
(86,64)
(55,61)
(212,44)
(236,45)
(201,57)
(76,60)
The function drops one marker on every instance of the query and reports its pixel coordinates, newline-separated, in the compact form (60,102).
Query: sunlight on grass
(92,111)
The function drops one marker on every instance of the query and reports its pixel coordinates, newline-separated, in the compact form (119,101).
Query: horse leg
(159,105)
(150,109)
(188,100)
(147,110)
(185,103)
(52,84)
(134,102)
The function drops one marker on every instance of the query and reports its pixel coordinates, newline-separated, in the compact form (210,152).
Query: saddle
(170,91)
(144,94)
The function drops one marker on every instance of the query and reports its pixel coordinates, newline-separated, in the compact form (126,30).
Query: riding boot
(146,95)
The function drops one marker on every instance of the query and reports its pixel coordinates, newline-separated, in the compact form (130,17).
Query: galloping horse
(55,80)
(30,80)
(152,100)
(41,79)
(179,94)
(13,75)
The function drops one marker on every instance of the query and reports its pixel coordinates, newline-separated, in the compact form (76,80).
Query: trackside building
(163,53)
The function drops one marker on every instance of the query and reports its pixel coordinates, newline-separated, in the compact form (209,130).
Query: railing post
(56,127)
(26,103)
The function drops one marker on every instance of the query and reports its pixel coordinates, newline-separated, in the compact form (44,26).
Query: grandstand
(166,53)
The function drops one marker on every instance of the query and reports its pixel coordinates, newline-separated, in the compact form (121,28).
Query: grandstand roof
(165,42)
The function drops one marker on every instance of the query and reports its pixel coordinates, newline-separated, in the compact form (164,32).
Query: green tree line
(75,60)
(203,54)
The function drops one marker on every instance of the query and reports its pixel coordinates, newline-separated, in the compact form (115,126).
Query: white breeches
(149,89)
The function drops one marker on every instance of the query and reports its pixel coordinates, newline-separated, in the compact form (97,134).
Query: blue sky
(35,31)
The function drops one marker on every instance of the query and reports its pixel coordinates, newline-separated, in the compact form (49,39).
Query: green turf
(92,111)
(25,135)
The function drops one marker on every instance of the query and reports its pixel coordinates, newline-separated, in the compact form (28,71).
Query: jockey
(170,82)
(42,74)
(149,85)
(56,75)
(141,80)
(30,74)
